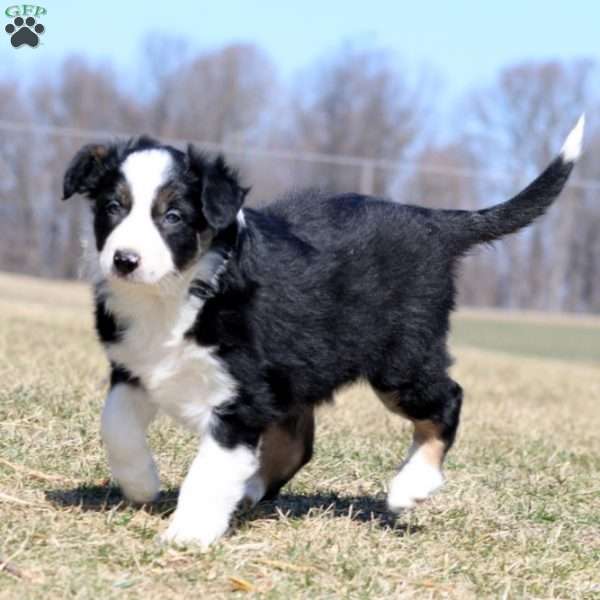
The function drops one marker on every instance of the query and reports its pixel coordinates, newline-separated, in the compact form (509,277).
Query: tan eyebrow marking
(124,193)
(161,202)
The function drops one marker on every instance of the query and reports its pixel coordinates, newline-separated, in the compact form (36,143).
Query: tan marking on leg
(421,473)
(428,441)
(284,449)
(280,454)
(427,436)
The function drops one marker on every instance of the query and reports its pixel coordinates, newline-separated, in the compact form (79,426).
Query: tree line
(355,120)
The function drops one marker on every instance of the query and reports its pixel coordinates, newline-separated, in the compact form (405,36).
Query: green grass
(519,517)
(562,340)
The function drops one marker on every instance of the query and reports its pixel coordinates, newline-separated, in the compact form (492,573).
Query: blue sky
(464,41)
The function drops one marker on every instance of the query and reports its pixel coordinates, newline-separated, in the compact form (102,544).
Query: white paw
(414,483)
(254,490)
(196,530)
(141,487)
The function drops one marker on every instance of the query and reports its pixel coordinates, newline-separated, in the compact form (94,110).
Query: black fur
(489,224)
(119,374)
(106,324)
(316,291)
(322,291)
(222,194)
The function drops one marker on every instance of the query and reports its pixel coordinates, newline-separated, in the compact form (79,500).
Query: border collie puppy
(239,322)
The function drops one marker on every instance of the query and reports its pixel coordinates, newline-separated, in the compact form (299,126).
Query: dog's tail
(489,224)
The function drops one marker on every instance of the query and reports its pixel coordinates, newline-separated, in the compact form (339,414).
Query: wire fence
(366,167)
(40,236)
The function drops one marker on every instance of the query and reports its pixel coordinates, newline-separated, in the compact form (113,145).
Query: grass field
(519,517)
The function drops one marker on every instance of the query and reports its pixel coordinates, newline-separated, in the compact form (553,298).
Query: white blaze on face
(145,172)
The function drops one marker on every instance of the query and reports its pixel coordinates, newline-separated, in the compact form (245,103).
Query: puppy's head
(152,205)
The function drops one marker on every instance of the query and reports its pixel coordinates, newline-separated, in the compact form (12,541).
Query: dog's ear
(222,194)
(87,168)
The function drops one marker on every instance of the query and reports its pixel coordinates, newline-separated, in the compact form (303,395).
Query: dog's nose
(126,261)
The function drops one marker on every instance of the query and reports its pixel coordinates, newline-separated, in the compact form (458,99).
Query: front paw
(141,487)
(196,530)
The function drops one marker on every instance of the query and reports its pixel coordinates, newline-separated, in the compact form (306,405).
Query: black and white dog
(238,322)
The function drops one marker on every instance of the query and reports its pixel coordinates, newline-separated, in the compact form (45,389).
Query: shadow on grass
(363,509)
(106,497)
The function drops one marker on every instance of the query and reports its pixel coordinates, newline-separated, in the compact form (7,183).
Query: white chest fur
(183,379)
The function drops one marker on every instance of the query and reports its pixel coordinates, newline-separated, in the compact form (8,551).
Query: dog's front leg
(126,417)
(212,489)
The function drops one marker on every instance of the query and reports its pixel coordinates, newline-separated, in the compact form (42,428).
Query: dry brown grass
(520,516)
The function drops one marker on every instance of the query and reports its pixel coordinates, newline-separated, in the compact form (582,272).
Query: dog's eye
(172,217)
(113,207)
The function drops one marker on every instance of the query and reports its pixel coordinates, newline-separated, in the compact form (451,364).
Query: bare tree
(356,103)
(163,57)
(216,97)
(517,126)
(19,227)
(440,180)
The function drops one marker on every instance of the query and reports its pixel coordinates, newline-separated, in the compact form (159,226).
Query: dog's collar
(204,290)
(225,243)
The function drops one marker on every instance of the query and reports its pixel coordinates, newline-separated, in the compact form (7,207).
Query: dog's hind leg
(284,449)
(433,405)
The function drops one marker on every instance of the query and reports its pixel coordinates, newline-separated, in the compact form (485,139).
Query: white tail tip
(571,149)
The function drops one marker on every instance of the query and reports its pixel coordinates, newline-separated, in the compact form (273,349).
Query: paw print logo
(24,31)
